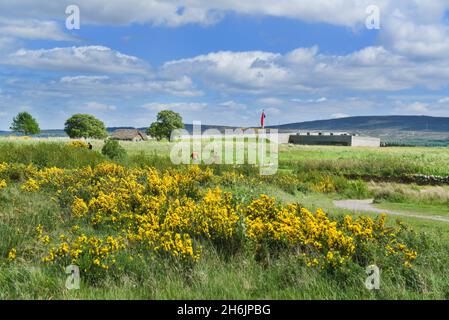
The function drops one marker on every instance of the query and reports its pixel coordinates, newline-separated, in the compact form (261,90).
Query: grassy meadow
(143,228)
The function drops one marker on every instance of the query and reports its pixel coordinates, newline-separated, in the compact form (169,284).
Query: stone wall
(334,140)
(358,141)
(326,140)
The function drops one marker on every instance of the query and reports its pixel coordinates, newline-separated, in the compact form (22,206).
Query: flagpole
(262,119)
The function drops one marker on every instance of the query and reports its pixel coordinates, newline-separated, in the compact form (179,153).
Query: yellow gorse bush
(12,254)
(79,144)
(326,185)
(3,184)
(322,241)
(3,166)
(30,185)
(314,233)
(141,210)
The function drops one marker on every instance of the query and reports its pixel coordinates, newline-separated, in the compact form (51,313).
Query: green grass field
(311,176)
(429,209)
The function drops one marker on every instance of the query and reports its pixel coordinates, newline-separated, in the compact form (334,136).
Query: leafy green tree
(85,126)
(167,121)
(25,123)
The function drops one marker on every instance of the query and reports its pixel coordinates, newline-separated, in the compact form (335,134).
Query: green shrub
(353,189)
(400,193)
(113,150)
(48,154)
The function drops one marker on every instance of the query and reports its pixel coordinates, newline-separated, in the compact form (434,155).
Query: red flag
(262,119)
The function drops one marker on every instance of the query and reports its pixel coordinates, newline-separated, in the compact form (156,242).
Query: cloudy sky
(222,61)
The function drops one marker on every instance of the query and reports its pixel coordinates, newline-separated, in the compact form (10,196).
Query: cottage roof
(128,134)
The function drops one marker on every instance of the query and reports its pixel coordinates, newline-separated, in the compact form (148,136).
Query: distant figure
(90,146)
(194,155)
(262,119)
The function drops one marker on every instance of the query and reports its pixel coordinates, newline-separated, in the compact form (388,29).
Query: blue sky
(222,62)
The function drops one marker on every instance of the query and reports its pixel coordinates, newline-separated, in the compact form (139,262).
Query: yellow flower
(12,254)
(79,144)
(63,249)
(79,208)
(145,210)
(45,239)
(75,253)
(31,185)
(3,166)
(39,230)
(3,184)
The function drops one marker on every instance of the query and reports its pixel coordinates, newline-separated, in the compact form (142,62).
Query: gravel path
(367,205)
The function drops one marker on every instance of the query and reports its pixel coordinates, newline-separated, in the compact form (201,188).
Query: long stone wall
(335,140)
(327,140)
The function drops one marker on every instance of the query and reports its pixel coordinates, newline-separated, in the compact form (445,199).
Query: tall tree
(167,121)
(85,126)
(25,123)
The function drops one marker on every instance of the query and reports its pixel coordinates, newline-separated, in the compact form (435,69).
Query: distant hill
(374,123)
(44,133)
(393,130)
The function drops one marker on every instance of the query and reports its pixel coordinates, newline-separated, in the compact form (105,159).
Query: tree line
(88,126)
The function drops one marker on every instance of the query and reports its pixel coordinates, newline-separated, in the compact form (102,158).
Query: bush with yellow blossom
(115,211)
(79,144)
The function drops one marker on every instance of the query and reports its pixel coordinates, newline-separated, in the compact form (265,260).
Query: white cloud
(417,28)
(33,29)
(178,106)
(258,72)
(231,104)
(418,40)
(411,30)
(302,55)
(410,27)
(88,58)
(8,44)
(239,71)
(179,12)
(272,101)
(100,87)
(276,76)
(411,52)
(339,115)
(417,108)
(83,79)
(93,105)
(443,100)
(271,110)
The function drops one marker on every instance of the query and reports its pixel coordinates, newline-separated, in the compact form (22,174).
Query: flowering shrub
(117,211)
(320,240)
(12,254)
(326,185)
(79,144)
(3,184)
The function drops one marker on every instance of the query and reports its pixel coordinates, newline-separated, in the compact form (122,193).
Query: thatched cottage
(129,135)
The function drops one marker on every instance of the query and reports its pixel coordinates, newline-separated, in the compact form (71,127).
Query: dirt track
(367,205)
